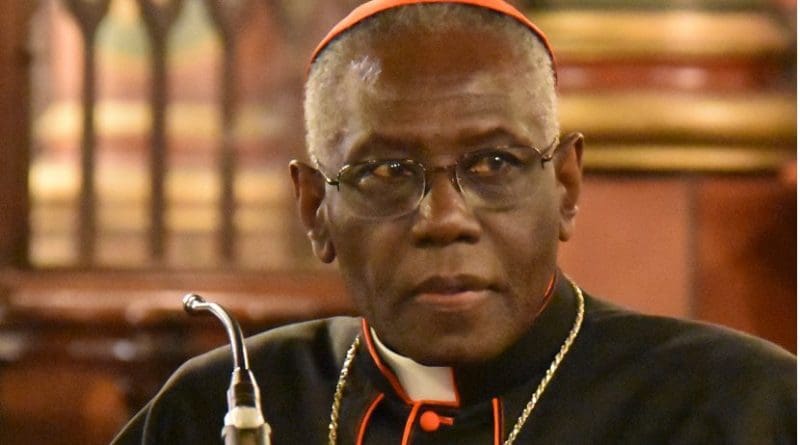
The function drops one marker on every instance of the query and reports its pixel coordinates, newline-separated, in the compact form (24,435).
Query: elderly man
(438,180)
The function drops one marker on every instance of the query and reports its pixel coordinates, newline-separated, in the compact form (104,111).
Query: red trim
(412,416)
(392,377)
(371,8)
(388,373)
(551,286)
(498,420)
(548,295)
(362,429)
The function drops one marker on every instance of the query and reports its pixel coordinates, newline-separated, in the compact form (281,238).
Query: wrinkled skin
(446,284)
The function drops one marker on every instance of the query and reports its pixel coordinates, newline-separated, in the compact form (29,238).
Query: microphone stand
(244,422)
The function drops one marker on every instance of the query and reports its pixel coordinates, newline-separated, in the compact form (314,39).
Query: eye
(391,170)
(492,163)
(374,175)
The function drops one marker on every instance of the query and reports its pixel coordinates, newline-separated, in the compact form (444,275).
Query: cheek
(531,240)
(367,253)
(527,246)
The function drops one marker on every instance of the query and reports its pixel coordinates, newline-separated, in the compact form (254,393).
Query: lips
(452,293)
(452,284)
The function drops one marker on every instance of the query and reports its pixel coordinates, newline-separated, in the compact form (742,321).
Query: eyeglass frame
(450,168)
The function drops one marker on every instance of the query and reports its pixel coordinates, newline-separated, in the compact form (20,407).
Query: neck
(527,358)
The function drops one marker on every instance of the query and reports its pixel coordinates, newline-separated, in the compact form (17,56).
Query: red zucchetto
(374,7)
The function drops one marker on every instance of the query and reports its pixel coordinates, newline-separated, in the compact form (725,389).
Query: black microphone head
(189,302)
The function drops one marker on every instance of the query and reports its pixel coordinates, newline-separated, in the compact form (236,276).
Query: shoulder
(653,379)
(304,353)
(286,361)
(672,335)
(704,383)
(688,349)
(323,339)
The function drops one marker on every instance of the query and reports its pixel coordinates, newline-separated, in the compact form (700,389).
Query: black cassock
(628,379)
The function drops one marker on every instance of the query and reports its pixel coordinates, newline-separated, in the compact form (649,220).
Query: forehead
(435,58)
(447,85)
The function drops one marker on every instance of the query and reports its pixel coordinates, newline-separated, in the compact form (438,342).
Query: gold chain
(526,412)
(337,396)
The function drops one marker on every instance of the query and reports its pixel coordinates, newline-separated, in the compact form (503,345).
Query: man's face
(446,283)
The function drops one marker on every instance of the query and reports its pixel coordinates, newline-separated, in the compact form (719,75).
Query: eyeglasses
(496,178)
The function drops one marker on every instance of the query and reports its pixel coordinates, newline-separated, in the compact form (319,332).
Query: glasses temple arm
(318,169)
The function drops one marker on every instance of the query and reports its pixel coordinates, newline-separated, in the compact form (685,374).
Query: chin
(442,353)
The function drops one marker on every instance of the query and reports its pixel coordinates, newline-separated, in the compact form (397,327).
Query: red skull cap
(375,7)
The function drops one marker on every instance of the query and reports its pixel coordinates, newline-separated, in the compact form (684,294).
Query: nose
(443,216)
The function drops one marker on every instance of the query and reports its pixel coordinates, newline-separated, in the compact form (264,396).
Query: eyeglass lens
(493,179)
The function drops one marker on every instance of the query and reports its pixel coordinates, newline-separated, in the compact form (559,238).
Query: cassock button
(430,421)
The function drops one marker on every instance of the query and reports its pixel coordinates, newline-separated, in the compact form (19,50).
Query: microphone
(244,421)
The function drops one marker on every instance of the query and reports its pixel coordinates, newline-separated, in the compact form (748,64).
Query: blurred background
(144,148)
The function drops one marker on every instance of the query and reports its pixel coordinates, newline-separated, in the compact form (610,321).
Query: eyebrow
(492,135)
(382,145)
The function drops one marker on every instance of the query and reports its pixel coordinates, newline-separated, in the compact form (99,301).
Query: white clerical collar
(420,382)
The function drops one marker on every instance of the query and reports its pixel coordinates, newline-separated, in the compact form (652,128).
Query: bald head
(443,30)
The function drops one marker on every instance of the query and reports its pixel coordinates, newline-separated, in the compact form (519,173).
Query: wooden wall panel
(14,128)
(59,405)
(715,248)
(632,243)
(747,256)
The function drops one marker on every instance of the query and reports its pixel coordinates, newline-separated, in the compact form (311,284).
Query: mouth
(453,293)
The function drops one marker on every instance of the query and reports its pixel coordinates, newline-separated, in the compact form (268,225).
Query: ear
(309,192)
(568,169)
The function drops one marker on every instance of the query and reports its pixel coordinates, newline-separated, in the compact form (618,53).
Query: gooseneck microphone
(244,422)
